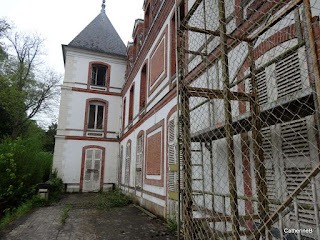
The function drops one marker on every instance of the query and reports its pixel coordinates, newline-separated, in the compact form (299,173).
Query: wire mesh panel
(249,118)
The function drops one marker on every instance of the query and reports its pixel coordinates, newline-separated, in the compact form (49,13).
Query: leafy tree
(4,27)
(26,90)
(49,138)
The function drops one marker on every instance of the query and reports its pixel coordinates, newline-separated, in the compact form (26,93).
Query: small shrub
(56,187)
(65,214)
(171,222)
(114,198)
(23,165)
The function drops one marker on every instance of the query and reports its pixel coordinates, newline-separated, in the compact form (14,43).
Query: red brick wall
(157,63)
(153,156)
(154,159)
(163,15)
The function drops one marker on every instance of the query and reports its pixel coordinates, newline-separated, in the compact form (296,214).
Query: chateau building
(118,106)
(118,121)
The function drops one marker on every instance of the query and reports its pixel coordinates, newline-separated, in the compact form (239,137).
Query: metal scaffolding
(248,139)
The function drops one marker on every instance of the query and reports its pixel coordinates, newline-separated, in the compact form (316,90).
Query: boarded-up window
(172,159)
(120,167)
(128,161)
(154,154)
(139,162)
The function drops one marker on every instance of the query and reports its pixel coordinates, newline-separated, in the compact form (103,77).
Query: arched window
(128,162)
(139,160)
(96,118)
(143,87)
(120,166)
(99,76)
(131,103)
(124,114)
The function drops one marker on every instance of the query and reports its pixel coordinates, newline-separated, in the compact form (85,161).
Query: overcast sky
(59,21)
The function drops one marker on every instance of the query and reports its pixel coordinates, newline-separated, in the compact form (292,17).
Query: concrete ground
(85,222)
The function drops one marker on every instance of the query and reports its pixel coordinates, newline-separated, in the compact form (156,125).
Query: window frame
(131,103)
(96,104)
(127,164)
(89,132)
(107,80)
(84,149)
(141,155)
(143,86)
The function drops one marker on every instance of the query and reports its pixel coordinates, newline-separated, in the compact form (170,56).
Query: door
(92,170)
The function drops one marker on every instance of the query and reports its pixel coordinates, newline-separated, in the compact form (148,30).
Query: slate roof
(100,36)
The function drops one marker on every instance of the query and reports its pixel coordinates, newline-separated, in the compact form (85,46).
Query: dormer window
(98,75)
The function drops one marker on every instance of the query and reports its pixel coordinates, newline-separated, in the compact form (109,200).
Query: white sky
(59,21)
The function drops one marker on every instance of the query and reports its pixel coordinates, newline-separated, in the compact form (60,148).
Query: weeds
(15,213)
(65,214)
(171,222)
(115,198)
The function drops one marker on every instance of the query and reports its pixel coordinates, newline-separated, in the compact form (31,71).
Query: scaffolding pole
(228,123)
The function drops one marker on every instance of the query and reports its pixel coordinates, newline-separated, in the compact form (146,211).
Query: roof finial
(103,6)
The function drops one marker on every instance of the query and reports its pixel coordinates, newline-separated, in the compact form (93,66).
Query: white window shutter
(288,75)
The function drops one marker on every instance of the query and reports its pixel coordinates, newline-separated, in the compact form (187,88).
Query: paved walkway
(86,223)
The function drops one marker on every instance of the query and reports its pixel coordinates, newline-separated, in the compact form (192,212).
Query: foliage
(4,27)
(23,165)
(56,187)
(65,214)
(171,222)
(25,88)
(111,199)
(14,213)
(49,139)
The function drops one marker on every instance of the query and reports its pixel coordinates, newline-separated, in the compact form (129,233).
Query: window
(124,114)
(147,19)
(139,161)
(99,76)
(172,159)
(131,103)
(173,46)
(143,87)
(96,116)
(120,167)
(95,124)
(128,160)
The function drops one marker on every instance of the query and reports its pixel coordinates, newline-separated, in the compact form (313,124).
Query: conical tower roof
(100,36)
